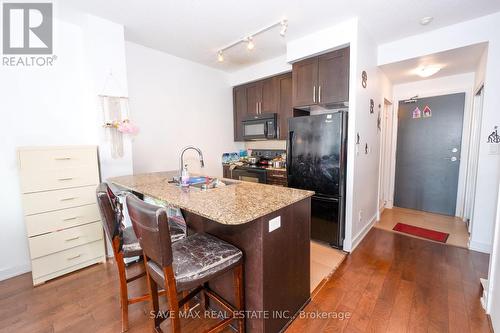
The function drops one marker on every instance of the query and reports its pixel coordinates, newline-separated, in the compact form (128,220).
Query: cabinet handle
(62,158)
(72,239)
(257,107)
(314,94)
(319,94)
(68,199)
(70,218)
(260,107)
(74,257)
(63,179)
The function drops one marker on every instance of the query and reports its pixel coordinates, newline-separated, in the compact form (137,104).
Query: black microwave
(260,127)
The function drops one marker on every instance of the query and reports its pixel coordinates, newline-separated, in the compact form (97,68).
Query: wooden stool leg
(239,295)
(186,305)
(173,302)
(204,298)
(153,292)
(123,291)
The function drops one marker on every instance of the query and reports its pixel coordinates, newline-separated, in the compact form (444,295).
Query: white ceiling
(196,29)
(456,61)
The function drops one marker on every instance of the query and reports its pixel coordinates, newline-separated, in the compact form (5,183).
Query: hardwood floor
(396,283)
(390,283)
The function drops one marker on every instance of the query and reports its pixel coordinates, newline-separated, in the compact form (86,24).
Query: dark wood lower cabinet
(277,264)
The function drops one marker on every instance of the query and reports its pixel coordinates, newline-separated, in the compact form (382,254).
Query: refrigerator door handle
(325,199)
(289,152)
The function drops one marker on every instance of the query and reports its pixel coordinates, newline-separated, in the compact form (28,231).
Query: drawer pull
(63,179)
(62,158)
(278,176)
(68,199)
(74,257)
(70,218)
(72,238)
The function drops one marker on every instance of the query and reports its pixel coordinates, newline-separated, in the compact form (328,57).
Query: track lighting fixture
(283,24)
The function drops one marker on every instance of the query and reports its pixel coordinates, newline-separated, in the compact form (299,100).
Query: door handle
(314,94)
(319,94)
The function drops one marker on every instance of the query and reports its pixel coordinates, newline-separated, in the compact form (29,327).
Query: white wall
(50,106)
(483,29)
(176,103)
(436,87)
(260,70)
(493,306)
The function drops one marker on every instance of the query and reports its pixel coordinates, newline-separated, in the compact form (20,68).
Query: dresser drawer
(61,240)
(42,202)
(45,180)
(41,159)
(65,259)
(61,219)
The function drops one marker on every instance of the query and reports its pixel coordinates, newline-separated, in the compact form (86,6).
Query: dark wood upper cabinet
(268,100)
(333,77)
(285,104)
(239,110)
(305,82)
(253,93)
(272,95)
(322,80)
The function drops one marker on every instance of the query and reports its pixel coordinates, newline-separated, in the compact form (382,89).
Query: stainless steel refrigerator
(316,161)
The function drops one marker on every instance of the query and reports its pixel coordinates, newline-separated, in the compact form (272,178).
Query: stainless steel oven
(260,127)
(249,174)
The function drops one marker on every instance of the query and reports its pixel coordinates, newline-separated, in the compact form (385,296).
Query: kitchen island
(270,224)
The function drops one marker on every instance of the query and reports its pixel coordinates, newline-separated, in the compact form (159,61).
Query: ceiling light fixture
(426,71)
(220,56)
(250,44)
(426,20)
(283,24)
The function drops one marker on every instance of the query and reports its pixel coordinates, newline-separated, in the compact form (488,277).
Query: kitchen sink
(205,183)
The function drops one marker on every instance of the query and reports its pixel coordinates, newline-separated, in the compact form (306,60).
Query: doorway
(428,153)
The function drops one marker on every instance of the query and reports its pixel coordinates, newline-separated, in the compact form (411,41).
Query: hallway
(394,283)
(448,224)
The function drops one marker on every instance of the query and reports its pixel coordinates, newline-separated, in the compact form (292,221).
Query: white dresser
(62,218)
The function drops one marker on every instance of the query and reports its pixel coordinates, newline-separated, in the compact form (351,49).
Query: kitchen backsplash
(267,144)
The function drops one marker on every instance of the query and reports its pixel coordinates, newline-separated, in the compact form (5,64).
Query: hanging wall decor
(379,122)
(494,137)
(416,113)
(116,122)
(372,105)
(364,79)
(427,112)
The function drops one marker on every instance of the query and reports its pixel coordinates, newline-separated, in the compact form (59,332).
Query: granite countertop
(232,204)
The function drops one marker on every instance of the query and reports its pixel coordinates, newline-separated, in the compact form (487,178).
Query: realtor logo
(27,28)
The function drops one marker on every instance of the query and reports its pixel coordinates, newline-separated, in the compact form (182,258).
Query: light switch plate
(274,223)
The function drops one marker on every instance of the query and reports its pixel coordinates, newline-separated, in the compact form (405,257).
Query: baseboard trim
(359,237)
(480,247)
(14,271)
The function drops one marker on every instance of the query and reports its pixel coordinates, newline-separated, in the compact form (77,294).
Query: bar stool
(186,265)
(124,243)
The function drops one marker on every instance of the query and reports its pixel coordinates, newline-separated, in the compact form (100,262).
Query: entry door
(428,153)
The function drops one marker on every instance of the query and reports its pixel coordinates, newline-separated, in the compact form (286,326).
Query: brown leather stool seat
(197,259)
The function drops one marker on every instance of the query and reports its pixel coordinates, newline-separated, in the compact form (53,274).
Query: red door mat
(421,232)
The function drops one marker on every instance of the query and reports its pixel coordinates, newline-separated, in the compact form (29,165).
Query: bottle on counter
(185,175)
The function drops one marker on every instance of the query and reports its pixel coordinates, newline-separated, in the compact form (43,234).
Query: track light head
(220,56)
(284,27)
(250,44)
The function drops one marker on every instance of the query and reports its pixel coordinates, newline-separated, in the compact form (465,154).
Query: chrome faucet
(200,154)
